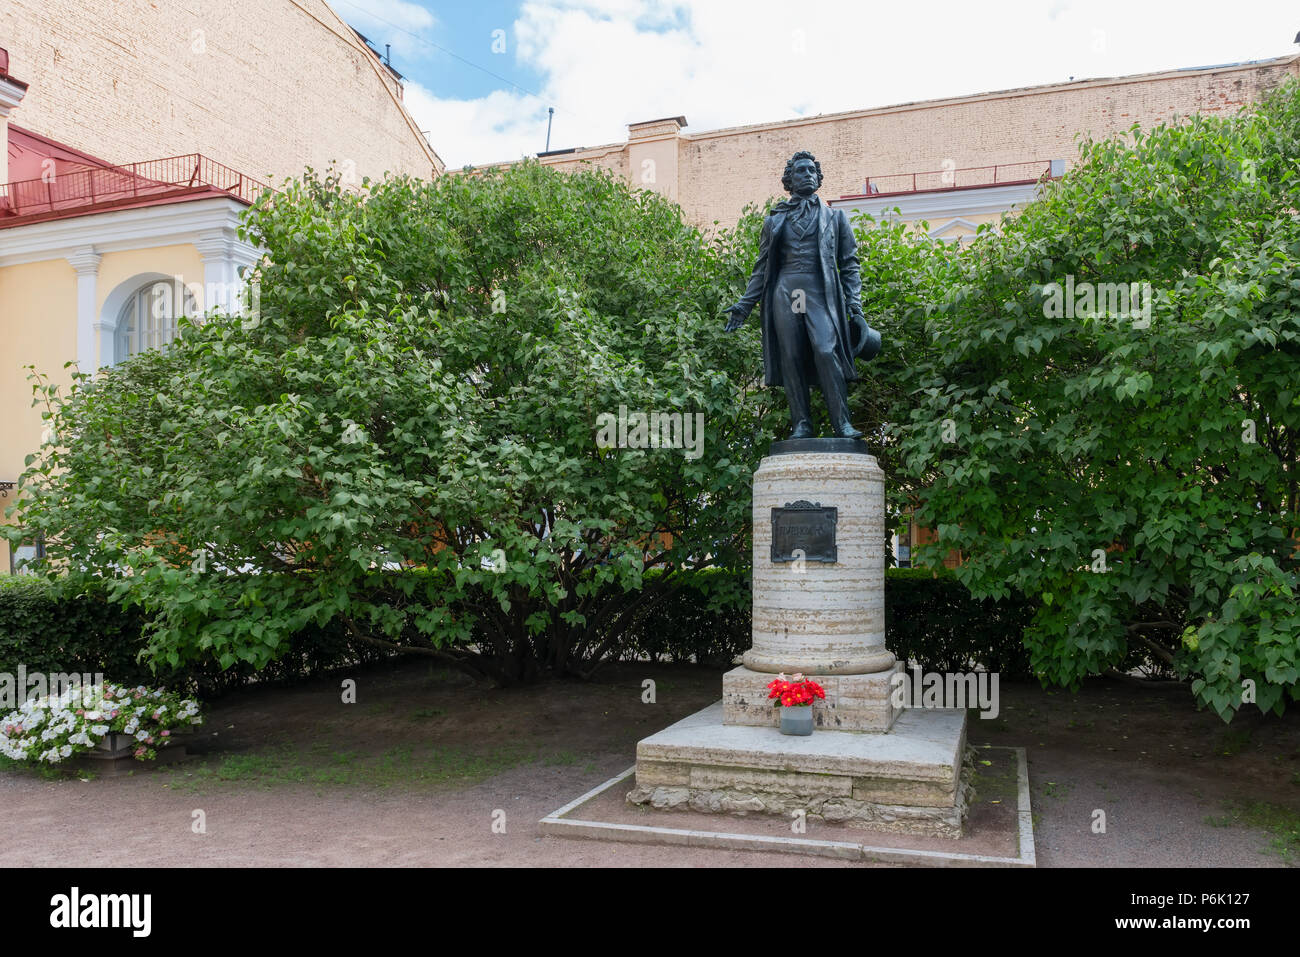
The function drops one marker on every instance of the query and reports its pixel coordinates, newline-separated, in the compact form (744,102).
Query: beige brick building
(952,164)
(266,87)
(1011,134)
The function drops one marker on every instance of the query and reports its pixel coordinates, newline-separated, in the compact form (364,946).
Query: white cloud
(394,22)
(606,63)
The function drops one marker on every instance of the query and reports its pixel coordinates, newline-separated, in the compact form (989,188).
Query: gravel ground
(420,770)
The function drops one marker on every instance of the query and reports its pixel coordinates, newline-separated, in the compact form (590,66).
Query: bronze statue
(807,278)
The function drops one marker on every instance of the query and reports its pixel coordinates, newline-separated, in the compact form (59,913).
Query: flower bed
(54,728)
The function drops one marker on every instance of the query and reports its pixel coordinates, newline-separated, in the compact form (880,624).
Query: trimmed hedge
(706,621)
(930,619)
(45,628)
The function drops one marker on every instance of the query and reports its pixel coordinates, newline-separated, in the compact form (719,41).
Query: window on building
(24,557)
(150,318)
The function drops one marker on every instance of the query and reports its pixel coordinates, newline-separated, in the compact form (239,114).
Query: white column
(219,278)
(86,262)
(223,253)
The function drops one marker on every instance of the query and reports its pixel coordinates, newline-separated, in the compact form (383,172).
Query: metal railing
(1003,174)
(108,185)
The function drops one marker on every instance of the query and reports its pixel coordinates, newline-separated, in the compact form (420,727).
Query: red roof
(4,70)
(28,150)
(51,180)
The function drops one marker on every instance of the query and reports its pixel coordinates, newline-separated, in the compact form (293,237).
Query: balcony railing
(121,185)
(1002,175)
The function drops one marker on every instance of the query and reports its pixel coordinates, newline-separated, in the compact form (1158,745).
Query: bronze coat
(837,252)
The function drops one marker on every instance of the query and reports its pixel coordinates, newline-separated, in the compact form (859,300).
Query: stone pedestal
(819,610)
(913,780)
(853,702)
(810,615)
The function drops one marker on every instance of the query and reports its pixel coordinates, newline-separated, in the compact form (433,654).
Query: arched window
(148,319)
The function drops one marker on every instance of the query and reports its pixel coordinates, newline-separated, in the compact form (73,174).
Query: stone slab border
(556,824)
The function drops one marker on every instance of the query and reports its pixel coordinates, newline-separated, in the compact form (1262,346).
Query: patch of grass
(400,766)
(425,713)
(1052,789)
(1281,823)
(49,772)
(995,777)
(1233,741)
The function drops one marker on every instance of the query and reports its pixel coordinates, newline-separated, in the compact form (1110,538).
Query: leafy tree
(1134,471)
(904,272)
(417,401)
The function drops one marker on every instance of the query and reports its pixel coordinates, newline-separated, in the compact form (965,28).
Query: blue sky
(481,74)
(427,38)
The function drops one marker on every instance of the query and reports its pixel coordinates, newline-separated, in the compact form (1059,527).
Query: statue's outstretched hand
(735,319)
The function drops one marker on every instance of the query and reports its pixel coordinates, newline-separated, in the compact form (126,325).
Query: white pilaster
(86,262)
(223,252)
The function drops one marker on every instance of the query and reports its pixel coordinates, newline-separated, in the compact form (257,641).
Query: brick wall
(720,171)
(267,87)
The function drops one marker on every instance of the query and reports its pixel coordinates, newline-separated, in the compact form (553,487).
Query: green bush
(46,629)
(706,620)
(1130,468)
(930,619)
(432,375)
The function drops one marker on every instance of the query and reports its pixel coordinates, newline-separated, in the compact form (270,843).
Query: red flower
(795,693)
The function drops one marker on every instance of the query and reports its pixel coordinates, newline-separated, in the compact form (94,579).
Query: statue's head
(803,174)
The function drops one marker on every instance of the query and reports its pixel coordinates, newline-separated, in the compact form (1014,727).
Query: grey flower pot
(797,719)
(115,741)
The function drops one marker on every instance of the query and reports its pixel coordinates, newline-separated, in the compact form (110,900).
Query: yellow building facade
(133,137)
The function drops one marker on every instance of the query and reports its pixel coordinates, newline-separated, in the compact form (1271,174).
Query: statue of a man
(807,278)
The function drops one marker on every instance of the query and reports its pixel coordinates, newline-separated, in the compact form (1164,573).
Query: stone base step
(914,779)
(853,702)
